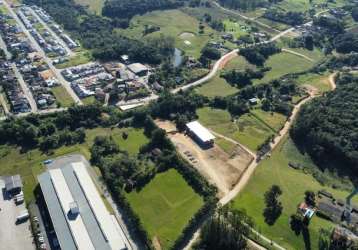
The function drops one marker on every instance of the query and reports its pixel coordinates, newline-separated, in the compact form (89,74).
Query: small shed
(13,184)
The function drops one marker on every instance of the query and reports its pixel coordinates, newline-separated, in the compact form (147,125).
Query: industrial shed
(138,69)
(77,212)
(200,134)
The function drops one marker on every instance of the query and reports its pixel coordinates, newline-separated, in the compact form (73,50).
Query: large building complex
(78,214)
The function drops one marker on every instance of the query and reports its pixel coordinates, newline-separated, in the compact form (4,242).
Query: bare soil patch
(219,168)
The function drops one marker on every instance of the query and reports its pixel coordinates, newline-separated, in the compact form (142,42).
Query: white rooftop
(200,131)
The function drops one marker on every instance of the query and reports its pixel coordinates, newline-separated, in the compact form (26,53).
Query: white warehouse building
(200,134)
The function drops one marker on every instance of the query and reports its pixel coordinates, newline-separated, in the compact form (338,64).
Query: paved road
(57,73)
(63,44)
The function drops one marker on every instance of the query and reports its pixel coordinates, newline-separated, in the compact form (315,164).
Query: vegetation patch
(292,64)
(247,130)
(176,24)
(62,96)
(165,206)
(293,183)
(94,6)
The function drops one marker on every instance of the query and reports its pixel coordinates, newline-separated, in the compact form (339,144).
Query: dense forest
(130,8)
(327,129)
(97,33)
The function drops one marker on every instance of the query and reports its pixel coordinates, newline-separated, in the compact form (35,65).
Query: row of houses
(11,87)
(45,39)
(34,72)
(55,27)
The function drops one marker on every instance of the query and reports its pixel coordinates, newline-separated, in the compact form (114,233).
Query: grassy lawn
(88,100)
(315,54)
(29,164)
(218,86)
(62,96)
(94,6)
(294,183)
(320,82)
(165,206)
(292,64)
(271,119)
(173,23)
(132,144)
(247,130)
(81,57)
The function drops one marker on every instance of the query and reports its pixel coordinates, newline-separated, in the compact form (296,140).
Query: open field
(165,206)
(247,130)
(282,64)
(316,81)
(94,6)
(303,5)
(294,183)
(273,120)
(29,164)
(219,86)
(216,87)
(81,57)
(62,96)
(273,24)
(89,100)
(182,27)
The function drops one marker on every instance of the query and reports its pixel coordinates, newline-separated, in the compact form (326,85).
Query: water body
(177,57)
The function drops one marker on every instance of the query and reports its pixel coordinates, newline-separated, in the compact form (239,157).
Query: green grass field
(271,119)
(29,164)
(273,24)
(247,130)
(94,6)
(165,206)
(81,57)
(62,96)
(173,23)
(294,183)
(320,82)
(304,5)
(218,86)
(89,100)
(282,64)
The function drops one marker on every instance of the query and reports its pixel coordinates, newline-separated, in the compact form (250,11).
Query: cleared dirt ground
(219,168)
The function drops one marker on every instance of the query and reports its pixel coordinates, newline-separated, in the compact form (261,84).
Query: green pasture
(165,206)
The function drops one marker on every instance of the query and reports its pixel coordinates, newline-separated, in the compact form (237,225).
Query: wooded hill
(327,129)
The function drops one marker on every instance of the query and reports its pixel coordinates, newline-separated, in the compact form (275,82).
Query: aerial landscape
(179,124)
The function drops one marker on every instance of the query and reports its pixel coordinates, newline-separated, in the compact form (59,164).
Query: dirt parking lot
(219,168)
(12,236)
